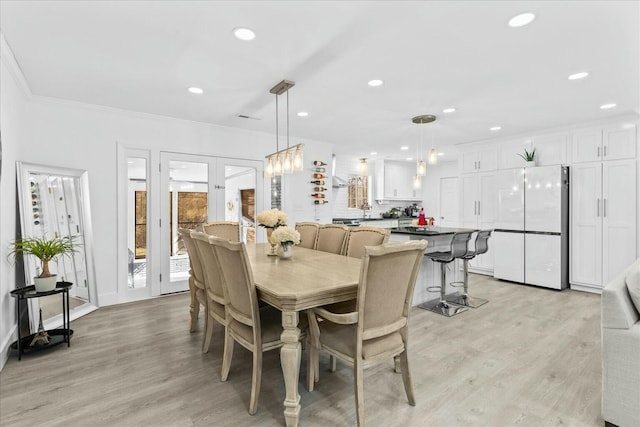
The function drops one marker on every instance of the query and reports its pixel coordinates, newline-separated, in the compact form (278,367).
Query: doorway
(449,203)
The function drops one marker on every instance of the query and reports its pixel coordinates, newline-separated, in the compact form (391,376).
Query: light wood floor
(531,357)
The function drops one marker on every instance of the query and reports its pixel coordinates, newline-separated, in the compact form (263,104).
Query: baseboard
(584,288)
(483,271)
(108,299)
(4,348)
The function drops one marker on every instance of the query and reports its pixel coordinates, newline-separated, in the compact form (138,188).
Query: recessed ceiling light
(449,110)
(409,159)
(578,76)
(440,154)
(196,90)
(244,33)
(607,106)
(375,83)
(521,20)
(303,114)
(373,153)
(495,128)
(404,147)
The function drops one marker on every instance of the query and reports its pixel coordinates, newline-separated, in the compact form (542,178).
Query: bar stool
(482,246)
(458,249)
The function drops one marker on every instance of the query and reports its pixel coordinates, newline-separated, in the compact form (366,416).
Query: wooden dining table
(309,279)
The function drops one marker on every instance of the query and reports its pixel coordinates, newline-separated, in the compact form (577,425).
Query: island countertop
(429,231)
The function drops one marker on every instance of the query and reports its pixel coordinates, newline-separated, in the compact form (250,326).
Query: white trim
(110,298)
(4,348)
(585,288)
(6,53)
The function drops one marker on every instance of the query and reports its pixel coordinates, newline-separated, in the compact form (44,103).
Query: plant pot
(530,164)
(285,251)
(45,284)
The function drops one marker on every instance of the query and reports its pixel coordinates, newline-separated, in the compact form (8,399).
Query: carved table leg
(290,355)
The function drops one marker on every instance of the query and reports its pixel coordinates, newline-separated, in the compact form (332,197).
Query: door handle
(478,207)
(604,208)
(478,164)
(605,151)
(475,207)
(597,208)
(598,151)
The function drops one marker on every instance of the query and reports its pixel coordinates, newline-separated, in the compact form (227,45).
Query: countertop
(428,231)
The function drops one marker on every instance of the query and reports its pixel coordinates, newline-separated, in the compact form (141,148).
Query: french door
(196,190)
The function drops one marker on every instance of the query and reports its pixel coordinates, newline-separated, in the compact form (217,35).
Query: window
(358,197)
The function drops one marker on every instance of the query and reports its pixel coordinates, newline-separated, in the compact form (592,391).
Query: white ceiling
(142,56)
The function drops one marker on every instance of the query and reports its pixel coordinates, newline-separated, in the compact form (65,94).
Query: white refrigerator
(530,240)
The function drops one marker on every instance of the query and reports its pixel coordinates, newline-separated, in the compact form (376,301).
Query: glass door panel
(137,223)
(185,204)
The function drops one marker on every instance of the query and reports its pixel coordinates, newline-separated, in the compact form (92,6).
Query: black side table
(37,341)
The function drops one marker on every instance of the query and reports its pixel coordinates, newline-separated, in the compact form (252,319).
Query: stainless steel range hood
(337,182)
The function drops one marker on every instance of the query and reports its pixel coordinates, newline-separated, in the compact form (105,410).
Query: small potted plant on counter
(45,250)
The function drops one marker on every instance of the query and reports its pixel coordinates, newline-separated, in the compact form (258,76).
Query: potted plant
(287,237)
(529,157)
(45,250)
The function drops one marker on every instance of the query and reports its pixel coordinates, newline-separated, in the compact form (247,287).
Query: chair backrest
(241,300)
(331,238)
(387,279)
(194,257)
(308,234)
(482,241)
(460,244)
(359,237)
(210,267)
(227,230)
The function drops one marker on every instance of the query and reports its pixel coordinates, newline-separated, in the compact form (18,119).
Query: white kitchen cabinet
(478,201)
(479,160)
(380,223)
(393,181)
(550,149)
(611,143)
(603,221)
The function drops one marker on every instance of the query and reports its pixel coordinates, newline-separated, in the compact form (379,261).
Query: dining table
(308,279)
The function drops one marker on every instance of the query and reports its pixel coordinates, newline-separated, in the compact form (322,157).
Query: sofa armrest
(618,311)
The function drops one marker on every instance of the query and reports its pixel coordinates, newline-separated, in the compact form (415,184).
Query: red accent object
(421,219)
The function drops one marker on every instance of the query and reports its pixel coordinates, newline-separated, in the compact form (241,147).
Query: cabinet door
(469,161)
(551,150)
(508,153)
(587,146)
(488,159)
(586,224)
(619,194)
(509,187)
(487,204)
(391,181)
(509,256)
(543,260)
(619,142)
(469,201)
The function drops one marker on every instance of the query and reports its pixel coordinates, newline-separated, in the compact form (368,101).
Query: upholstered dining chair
(331,238)
(213,286)
(196,278)
(359,237)
(228,230)
(308,234)
(378,330)
(255,328)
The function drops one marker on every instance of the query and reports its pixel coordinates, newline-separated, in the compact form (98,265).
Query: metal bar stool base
(467,301)
(442,308)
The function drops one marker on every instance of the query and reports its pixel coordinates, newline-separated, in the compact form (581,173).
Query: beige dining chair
(378,330)
(255,328)
(196,278)
(213,286)
(228,230)
(331,238)
(359,237)
(308,234)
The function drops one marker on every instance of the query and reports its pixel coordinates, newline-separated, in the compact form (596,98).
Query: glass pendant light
(277,168)
(298,163)
(269,170)
(417,182)
(433,156)
(287,165)
(421,167)
(363,167)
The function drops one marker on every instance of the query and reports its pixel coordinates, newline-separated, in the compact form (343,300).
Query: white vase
(285,251)
(45,284)
(530,164)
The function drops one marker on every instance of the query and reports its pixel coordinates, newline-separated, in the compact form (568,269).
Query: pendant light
(363,167)
(433,153)
(421,168)
(290,159)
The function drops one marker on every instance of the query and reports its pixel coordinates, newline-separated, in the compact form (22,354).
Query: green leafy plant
(44,249)
(528,156)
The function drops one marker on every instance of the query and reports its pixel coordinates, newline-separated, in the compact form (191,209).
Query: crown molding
(6,55)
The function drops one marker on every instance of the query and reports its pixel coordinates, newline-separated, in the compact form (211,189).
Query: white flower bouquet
(272,218)
(286,236)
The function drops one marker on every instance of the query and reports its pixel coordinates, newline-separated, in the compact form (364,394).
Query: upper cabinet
(479,160)
(609,143)
(550,150)
(394,180)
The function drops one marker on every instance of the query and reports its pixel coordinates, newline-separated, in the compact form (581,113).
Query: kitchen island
(439,240)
